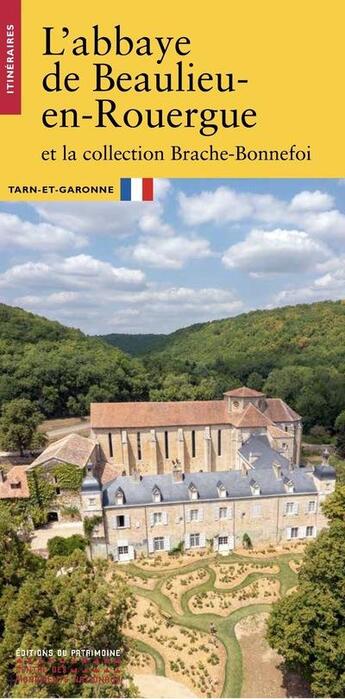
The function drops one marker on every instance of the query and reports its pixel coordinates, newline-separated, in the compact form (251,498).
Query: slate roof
(260,449)
(72,449)
(139,492)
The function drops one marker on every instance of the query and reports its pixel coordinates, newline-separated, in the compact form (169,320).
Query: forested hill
(61,369)
(135,345)
(296,352)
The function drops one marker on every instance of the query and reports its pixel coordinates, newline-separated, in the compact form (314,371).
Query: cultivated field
(200,621)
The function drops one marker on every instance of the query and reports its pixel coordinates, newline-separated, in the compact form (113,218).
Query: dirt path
(269,678)
(152,686)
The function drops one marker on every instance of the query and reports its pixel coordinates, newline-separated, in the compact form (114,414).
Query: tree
(69,603)
(18,425)
(340,434)
(64,546)
(307,626)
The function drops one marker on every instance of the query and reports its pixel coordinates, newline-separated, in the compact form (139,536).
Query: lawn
(194,615)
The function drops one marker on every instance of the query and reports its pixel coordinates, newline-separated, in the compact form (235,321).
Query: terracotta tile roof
(251,417)
(278,433)
(156,414)
(187,413)
(278,411)
(72,449)
(107,472)
(243,392)
(15,477)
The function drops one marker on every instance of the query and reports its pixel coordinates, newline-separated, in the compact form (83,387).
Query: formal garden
(200,619)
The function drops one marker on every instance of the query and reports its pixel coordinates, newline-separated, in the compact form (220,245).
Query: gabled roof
(277,433)
(252,417)
(279,411)
(73,449)
(243,392)
(187,413)
(158,414)
(16,475)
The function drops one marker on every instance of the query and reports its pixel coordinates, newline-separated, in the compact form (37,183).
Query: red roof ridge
(243,392)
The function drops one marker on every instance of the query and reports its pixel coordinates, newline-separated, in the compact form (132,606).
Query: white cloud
(312,201)
(311,211)
(112,218)
(168,253)
(151,309)
(328,286)
(78,272)
(276,252)
(14,232)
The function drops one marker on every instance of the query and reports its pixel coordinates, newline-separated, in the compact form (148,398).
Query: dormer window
(255,488)
(289,485)
(193,492)
(119,497)
(156,494)
(221,490)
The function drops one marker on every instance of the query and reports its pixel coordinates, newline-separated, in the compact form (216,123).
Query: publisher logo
(10,50)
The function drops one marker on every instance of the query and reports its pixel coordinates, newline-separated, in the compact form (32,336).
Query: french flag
(136,189)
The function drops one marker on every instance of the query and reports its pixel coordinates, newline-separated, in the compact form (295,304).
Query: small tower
(91,504)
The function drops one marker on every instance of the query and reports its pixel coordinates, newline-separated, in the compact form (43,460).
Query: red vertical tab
(10,57)
(147,189)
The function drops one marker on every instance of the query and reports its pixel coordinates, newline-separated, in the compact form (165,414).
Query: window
(122,550)
(294,532)
(221,490)
(236,404)
(139,446)
(310,531)
(158,543)
(223,540)
(194,540)
(92,501)
(311,506)
(110,442)
(223,512)
(57,491)
(156,493)
(120,521)
(194,515)
(166,444)
(289,508)
(17,484)
(157,518)
(193,444)
(284,445)
(219,445)
(286,428)
(119,497)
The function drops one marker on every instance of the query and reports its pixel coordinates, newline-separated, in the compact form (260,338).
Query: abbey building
(196,435)
(201,474)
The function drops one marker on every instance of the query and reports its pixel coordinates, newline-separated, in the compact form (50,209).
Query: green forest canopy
(295,352)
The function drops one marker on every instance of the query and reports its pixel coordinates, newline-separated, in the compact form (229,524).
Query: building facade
(267,499)
(195,435)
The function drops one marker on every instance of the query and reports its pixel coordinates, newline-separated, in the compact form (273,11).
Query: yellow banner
(132,90)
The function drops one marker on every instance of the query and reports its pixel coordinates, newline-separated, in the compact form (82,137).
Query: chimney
(177,473)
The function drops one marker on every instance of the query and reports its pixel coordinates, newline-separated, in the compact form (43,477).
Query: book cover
(172,368)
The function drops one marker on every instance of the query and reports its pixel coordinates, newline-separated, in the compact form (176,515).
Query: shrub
(60,546)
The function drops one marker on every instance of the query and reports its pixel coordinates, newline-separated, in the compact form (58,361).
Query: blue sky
(204,249)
